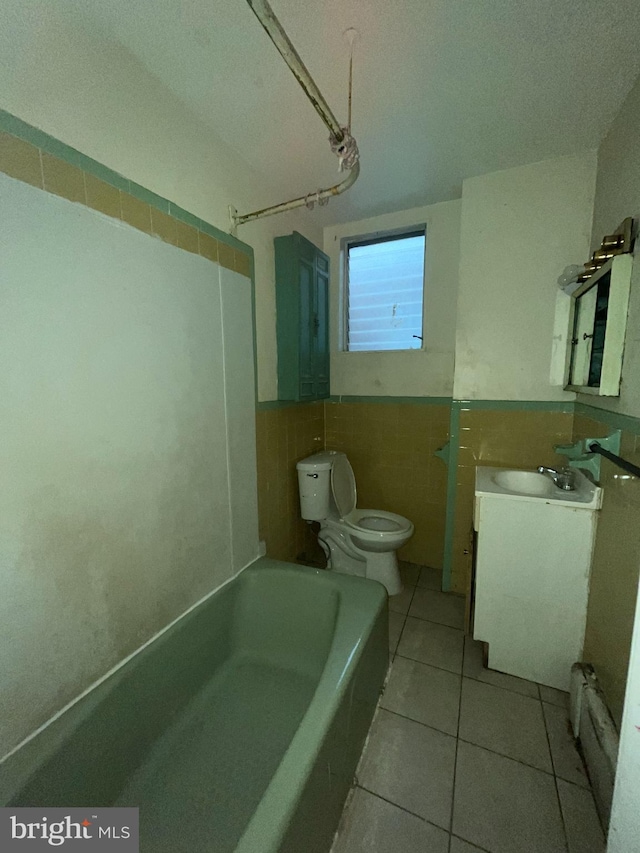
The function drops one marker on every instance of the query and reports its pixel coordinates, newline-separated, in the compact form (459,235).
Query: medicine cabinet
(596,318)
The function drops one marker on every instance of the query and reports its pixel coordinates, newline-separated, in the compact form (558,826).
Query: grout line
(433,622)
(471,843)
(455,760)
(434,665)
(555,778)
(509,757)
(411,720)
(470,677)
(402,808)
(470,742)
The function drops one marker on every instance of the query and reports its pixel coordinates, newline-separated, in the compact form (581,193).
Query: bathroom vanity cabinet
(302,319)
(532,568)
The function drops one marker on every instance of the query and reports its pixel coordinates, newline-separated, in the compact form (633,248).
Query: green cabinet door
(302,319)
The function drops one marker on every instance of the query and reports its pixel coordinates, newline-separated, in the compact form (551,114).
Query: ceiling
(443,89)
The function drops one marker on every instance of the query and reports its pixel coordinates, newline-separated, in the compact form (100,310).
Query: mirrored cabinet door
(597,329)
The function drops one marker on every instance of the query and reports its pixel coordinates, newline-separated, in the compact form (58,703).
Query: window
(384,280)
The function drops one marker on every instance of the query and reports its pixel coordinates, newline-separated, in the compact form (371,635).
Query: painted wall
(420,373)
(128,452)
(618,196)
(520,228)
(93,95)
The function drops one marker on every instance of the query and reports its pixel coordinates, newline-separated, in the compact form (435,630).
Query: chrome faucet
(564,479)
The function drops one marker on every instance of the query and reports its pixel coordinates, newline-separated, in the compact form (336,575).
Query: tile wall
(390,447)
(616,563)
(518,438)
(286,434)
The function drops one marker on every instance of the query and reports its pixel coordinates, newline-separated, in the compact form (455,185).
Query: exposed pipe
(276,33)
(273,28)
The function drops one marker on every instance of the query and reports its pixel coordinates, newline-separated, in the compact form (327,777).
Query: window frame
(383,236)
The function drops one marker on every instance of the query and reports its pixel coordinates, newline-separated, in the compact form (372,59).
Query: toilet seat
(356,541)
(377,522)
(371,527)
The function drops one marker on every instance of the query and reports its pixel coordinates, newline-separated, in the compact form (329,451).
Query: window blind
(385,294)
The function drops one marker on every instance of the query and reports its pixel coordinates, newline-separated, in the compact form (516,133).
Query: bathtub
(238,729)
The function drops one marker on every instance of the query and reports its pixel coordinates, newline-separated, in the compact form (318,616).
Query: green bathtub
(238,729)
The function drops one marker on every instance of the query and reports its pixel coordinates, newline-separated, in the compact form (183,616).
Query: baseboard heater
(593,726)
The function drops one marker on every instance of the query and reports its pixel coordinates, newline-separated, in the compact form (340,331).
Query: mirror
(597,326)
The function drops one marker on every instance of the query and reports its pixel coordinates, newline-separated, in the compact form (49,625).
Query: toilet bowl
(356,541)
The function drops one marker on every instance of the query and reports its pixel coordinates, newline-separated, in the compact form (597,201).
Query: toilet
(356,541)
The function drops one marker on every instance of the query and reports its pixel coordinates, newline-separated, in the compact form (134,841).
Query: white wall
(520,228)
(427,372)
(128,486)
(96,97)
(618,196)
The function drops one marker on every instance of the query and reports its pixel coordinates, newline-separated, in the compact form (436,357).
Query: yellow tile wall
(614,574)
(390,447)
(518,438)
(284,436)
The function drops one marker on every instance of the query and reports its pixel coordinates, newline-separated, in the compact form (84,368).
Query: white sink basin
(525,482)
(513,484)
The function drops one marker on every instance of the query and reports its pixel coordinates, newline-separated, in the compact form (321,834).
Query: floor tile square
(409,573)
(460,846)
(430,578)
(372,825)
(584,833)
(410,765)
(554,697)
(400,603)
(441,607)
(396,622)
(567,763)
(504,806)
(505,722)
(434,644)
(474,668)
(423,693)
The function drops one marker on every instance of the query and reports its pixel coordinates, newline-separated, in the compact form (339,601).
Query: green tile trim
(148,197)
(518,405)
(107,175)
(452,479)
(612,419)
(184,216)
(16,127)
(223,237)
(269,405)
(416,401)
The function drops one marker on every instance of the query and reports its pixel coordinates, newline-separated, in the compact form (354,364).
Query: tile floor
(461,759)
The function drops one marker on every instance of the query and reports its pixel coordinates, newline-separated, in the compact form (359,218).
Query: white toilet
(356,541)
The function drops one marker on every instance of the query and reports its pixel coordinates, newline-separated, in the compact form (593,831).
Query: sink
(520,485)
(525,482)
(533,560)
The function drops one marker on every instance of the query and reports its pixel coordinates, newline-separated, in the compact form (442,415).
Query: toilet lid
(343,485)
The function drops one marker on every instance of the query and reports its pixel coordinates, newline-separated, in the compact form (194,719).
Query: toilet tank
(314,484)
